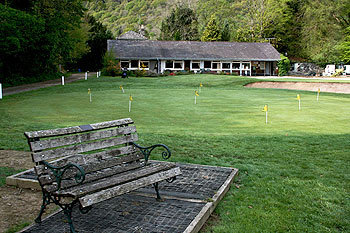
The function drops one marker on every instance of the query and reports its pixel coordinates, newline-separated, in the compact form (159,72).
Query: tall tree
(256,16)
(323,24)
(97,43)
(20,44)
(181,24)
(344,47)
(212,31)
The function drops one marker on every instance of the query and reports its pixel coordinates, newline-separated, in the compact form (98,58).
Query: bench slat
(91,177)
(77,129)
(80,138)
(46,176)
(85,189)
(124,188)
(80,148)
(87,158)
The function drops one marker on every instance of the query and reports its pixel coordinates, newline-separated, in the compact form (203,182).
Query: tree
(212,31)
(97,43)
(181,24)
(344,47)
(226,32)
(255,17)
(20,43)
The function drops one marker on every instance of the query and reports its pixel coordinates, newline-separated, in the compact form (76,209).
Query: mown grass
(294,171)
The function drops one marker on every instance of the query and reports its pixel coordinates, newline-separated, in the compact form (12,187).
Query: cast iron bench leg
(46,201)
(157,191)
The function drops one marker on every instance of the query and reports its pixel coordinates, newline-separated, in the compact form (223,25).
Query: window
(144,64)
(262,65)
(124,64)
(246,66)
(225,65)
(196,65)
(178,64)
(235,66)
(207,64)
(169,65)
(134,64)
(216,65)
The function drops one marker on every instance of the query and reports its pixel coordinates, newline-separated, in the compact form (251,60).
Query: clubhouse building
(136,52)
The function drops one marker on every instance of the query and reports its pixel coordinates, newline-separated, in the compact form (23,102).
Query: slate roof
(192,50)
(131,35)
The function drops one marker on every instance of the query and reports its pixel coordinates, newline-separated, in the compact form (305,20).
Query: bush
(283,66)
(111,66)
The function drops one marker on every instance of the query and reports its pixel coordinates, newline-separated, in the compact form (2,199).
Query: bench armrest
(59,172)
(146,151)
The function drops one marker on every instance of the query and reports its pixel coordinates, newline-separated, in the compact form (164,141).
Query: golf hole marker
(89,93)
(318,93)
(299,100)
(195,96)
(265,109)
(130,100)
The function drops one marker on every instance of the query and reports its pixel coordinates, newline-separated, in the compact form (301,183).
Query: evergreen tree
(180,25)
(212,31)
(226,32)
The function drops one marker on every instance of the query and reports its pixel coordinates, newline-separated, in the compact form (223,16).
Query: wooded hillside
(313,30)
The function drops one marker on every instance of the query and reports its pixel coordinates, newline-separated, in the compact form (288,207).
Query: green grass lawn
(294,171)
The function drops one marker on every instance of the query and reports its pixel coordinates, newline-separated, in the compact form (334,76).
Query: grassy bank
(294,171)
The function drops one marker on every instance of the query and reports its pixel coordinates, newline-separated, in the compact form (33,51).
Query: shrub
(111,66)
(283,65)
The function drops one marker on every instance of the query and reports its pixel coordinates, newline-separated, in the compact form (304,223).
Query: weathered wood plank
(116,180)
(76,129)
(125,188)
(80,138)
(51,187)
(117,165)
(80,148)
(89,158)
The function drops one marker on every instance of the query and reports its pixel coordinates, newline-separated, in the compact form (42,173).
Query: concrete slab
(189,201)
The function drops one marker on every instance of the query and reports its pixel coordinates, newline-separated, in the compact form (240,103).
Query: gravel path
(36,86)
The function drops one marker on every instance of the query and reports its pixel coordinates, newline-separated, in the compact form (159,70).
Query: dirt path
(306,86)
(36,86)
(18,205)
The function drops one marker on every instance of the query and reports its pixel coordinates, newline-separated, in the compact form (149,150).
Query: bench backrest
(94,147)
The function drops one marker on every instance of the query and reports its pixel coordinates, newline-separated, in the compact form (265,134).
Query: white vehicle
(347,69)
(330,69)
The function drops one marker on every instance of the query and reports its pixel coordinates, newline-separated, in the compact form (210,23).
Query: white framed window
(262,65)
(216,65)
(225,65)
(169,64)
(235,65)
(134,64)
(207,64)
(195,65)
(144,65)
(245,65)
(178,65)
(124,64)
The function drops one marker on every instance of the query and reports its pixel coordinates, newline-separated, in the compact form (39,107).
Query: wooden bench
(88,164)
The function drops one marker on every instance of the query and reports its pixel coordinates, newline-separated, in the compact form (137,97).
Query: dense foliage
(39,39)
(181,24)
